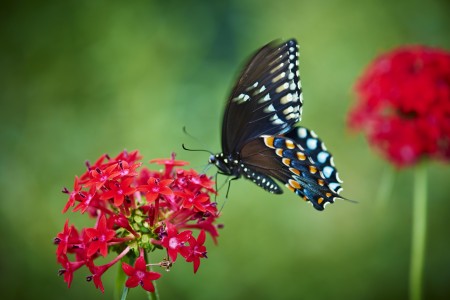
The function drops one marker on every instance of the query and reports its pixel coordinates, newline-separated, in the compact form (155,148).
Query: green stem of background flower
(419,226)
(385,188)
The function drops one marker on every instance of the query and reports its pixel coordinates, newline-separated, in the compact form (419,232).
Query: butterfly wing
(317,151)
(266,99)
(301,168)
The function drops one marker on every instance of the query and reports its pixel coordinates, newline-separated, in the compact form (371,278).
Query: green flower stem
(121,291)
(385,187)
(124,293)
(154,295)
(419,225)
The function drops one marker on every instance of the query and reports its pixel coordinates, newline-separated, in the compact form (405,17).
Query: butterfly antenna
(199,150)
(195,139)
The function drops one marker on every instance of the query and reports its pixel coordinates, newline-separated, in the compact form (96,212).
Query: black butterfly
(259,140)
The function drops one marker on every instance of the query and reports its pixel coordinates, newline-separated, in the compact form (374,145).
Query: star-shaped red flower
(118,191)
(99,177)
(73,195)
(156,187)
(197,200)
(99,237)
(174,241)
(62,239)
(196,250)
(140,275)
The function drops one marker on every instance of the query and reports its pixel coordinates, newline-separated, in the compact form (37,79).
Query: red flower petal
(129,270)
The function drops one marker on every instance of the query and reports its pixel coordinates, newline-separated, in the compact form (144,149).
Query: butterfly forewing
(266,99)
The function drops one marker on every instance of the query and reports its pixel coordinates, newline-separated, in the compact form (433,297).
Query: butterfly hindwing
(317,151)
(289,162)
(267,97)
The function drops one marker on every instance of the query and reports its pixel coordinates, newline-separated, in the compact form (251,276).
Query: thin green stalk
(121,291)
(124,293)
(419,226)
(385,187)
(155,294)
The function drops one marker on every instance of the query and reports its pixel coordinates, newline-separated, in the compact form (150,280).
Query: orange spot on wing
(289,144)
(295,184)
(268,140)
(295,171)
(320,182)
(320,200)
(279,152)
(312,169)
(290,187)
(286,161)
(328,195)
(301,156)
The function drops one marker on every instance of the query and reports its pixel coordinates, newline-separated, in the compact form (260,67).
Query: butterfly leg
(228,190)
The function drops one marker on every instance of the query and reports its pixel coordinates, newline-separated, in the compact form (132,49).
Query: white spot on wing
(241,98)
(252,86)
(291,116)
(286,99)
(279,77)
(288,110)
(282,87)
(269,109)
(327,171)
(302,133)
(275,120)
(266,98)
(334,186)
(276,68)
(338,179)
(322,157)
(311,143)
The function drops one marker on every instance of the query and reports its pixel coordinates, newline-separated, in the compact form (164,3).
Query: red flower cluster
(136,212)
(404,104)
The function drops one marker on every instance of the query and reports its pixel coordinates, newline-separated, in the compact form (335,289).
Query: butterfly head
(225,164)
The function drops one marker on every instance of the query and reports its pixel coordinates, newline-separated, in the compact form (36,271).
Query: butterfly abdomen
(262,180)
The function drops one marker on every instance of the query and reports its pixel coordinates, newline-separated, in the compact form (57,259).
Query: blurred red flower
(404,104)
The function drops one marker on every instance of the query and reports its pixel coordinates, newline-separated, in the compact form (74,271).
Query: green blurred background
(81,78)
